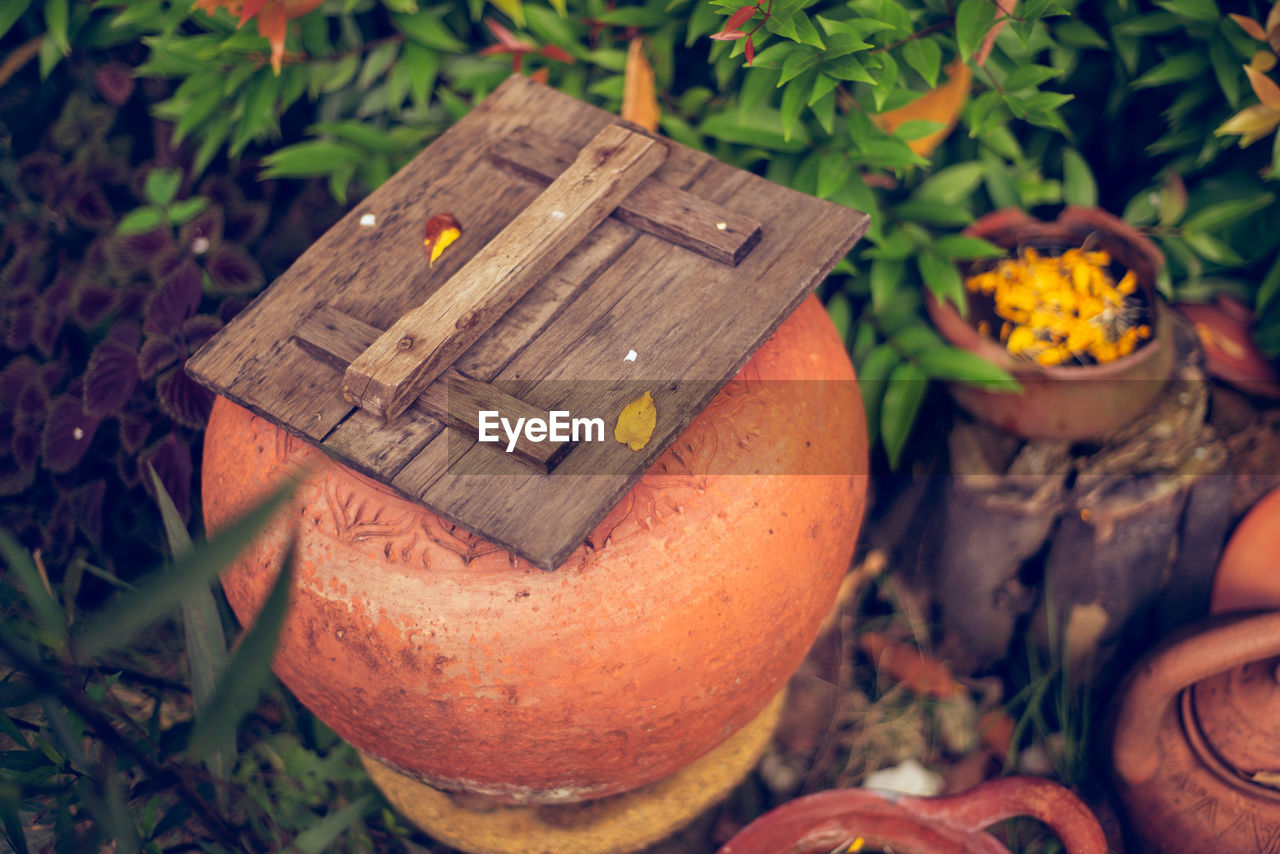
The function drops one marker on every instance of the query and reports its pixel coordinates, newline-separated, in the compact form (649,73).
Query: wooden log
(454,399)
(654,207)
(387,377)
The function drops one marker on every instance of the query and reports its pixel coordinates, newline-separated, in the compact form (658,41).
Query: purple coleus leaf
(175,300)
(204,232)
(183,399)
(20,310)
(200,329)
(92,303)
(115,83)
(15,476)
(86,508)
(42,173)
(158,353)
(110,378)
(132,253)
(133,432)
(68,433)
(233,271)
(171,458)
(87,207)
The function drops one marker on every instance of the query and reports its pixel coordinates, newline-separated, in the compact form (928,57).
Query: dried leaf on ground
(441,230)
(904,664)
(636,422)
(941,104)
(639,103)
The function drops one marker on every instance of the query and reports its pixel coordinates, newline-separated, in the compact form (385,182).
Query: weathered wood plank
(655,207)
(377,273)
(419,346)
(684,356)
(454,399)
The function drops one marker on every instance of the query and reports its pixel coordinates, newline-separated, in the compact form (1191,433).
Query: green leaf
(925,57)
(259,109)
(916,338)
(934,212)
(761,127)
(952,363)
(872,375)
(1077,34)
(798,62)
(1078,186)
(834,170)
(428,29)
(943,279)
(313,157)
(1222,214)
(841,314)
(951,185)
(1226,68)
(1195,10)
(248,671)
(323,833)
(1211,248)
(1175,69)
(973,19)
(343,71)
(162,185)
(962,247)
(1149,24)
(847,68)
(140,220)
(49,615)
(10,12)
(514,10)
(13,826)
(187,209)
(1029,77)
(55,22)
(48,57)
(1268,289)
(793,102)
(116,624)
(376,64)
(423,65)
(886,275)
(903,394)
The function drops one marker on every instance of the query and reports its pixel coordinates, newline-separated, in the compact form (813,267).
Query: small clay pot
(445,657)
(1065,402)
(819,823)
(1225,330)
(1248,575)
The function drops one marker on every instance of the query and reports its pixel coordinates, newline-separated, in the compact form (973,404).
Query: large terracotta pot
(830,821)
(1248,575)
(692,603)
(1064,402)
(1196,746)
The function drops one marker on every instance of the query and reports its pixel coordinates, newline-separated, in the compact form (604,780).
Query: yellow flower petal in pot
(636,422)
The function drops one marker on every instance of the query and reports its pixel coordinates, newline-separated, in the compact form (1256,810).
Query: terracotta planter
(1196,747)
(827,821)
(1248,574)
(1065,402)
(441,655)
(1225,330)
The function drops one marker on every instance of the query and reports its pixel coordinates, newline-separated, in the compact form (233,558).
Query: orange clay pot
(1248,575)
(1064,401)
(442,655)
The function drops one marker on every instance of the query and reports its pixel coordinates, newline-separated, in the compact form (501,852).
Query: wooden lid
(596,262)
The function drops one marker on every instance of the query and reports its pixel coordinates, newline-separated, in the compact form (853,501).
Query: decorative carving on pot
(685,613)
(1196,747)
(1064,401)
(832,820)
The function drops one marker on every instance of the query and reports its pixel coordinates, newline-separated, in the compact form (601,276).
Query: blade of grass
(116,624)
(201,625)
(248,671)
(49,616)
(13,831)
(320,836)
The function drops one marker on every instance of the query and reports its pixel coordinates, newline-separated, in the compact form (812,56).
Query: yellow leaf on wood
(941,104)
(441,230)
(639,102)
(636,422)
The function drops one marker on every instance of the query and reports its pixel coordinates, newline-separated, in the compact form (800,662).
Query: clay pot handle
(1159,679)
(1010,797)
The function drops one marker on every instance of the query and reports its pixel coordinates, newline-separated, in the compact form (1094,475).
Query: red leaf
(249,9)
(175,301)
(110,378)
(557,53)
(68,433)
(729,35)
(505,37)
(750,50)
(233,271)
(156,355)
(740,17)
(182,399)
(114,82)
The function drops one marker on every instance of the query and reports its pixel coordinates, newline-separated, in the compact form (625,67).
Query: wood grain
(693,322)
(654,207)
(422,344)
(453,399)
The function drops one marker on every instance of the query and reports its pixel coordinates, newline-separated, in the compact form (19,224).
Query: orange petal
(941,104)
(639,103)
(272,26)
(1264,87)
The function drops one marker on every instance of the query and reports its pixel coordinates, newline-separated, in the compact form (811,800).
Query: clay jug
(831,820)
(1196,747)
(676,623)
